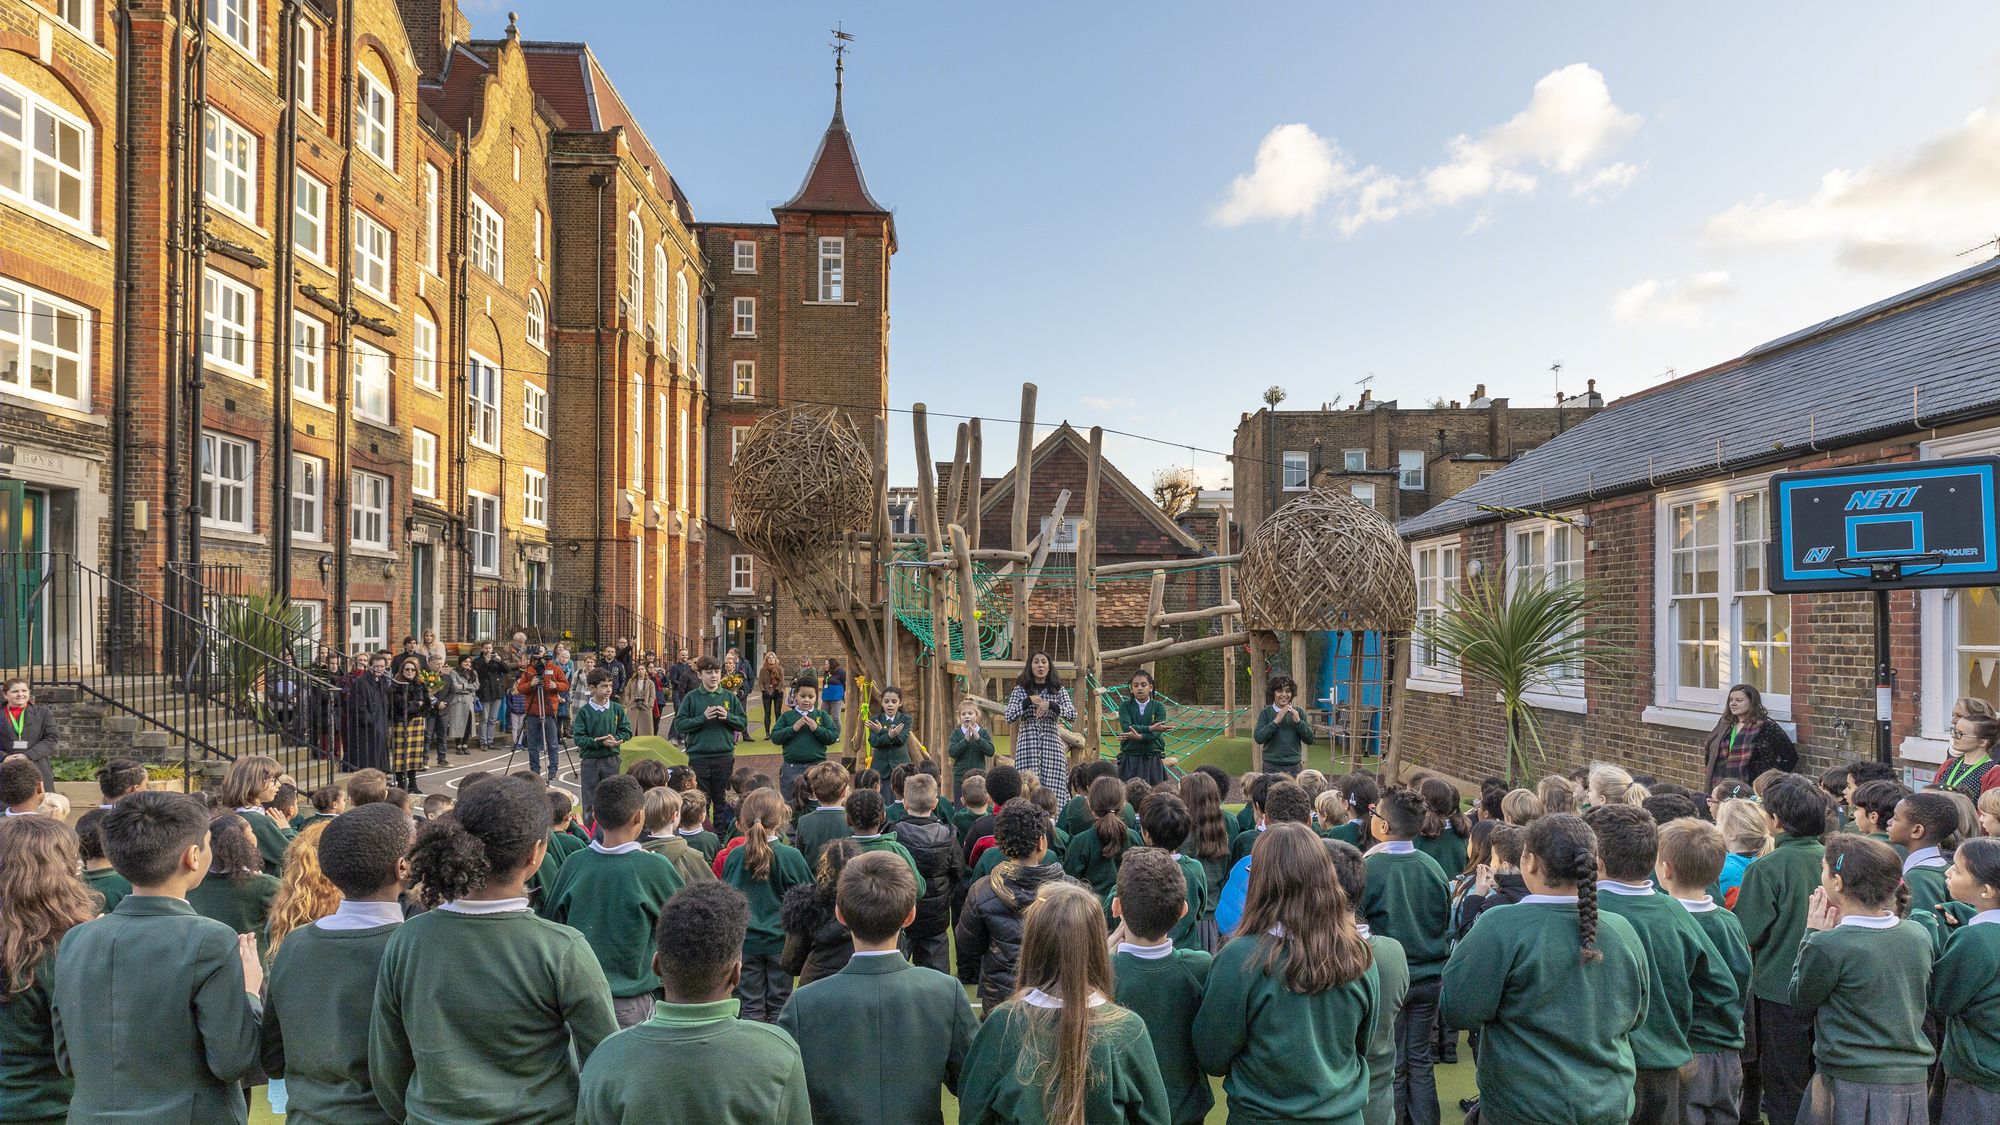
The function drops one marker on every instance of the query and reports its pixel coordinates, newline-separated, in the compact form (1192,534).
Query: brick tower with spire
(798,313)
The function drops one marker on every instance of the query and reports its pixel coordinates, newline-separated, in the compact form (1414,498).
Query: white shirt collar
(619,850)
(1882,923)
(685,832)
(1615,887)
(253,809)
(30,812)
(1362,928)
(1147,952)
(1042,999)
(594,705)
(1548,900)
(1985,917)
(1702,905)
(876,836)
(1399,847)
(351,915)
(1924,857)
(876,952)
(495,906)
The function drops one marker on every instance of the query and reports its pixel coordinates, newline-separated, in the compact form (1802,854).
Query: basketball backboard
(1906,525)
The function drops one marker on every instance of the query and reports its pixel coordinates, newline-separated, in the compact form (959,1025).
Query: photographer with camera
(543,683)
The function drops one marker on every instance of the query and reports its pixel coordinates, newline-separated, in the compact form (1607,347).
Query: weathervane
(841,39)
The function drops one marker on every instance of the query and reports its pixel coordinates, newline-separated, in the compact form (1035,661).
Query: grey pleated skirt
(1832,1101)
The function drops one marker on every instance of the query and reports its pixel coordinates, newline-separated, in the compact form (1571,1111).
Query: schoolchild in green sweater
(1063,1052)
(1965,988)
(1283,731)
(600,726)
(40,901)
(1093,854)
(889,739)
(694,1060)
(1862,976)
(1446,833)
(182,1038)
(482,1004)
(922,1023)
(1771,904)
(1692,853)
(1556,989)
(1923,823)
(1392,986)
(1683,966)
(1076,815)
(663,813)
(828,822)
(251,783)
(1409,899)
(804,732)
(1296,961)
(971,747)
(97,872)
(322,993)
(236,892)
(1158,981)
(1164,824)
(764,868)
(1143,727)
(708,720)
(974,803)
(867,820)
(1874,806)
(694,809)
(1254,796)
(612,892)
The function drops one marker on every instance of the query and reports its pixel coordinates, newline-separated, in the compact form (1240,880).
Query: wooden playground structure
(944,617)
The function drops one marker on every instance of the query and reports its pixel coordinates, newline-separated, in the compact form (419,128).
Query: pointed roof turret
(834,181)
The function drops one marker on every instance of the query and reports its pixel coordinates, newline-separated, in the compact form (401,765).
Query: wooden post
(1087,670)
(973,488)
(933,542)
(1392,759)
(879,555)
(955,494)
(968,607)
(1023,471)
(1356,658)
(1259,645)
(1303,697)
(1228,624)
(1155,606)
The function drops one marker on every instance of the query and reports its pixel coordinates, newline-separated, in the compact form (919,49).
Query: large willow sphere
(1327,561)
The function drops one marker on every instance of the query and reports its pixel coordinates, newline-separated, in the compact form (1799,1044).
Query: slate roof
(1919,359)
(568,77)
(833,180)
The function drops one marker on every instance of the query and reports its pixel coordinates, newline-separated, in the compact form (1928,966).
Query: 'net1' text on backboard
(1905,525)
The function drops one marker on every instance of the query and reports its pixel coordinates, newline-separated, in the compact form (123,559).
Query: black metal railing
(215,697)
(214,592)
(549,616)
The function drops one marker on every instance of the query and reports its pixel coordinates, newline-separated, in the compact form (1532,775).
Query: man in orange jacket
(543,683)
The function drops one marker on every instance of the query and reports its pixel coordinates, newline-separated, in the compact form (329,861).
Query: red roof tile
(459,98)
(833,181)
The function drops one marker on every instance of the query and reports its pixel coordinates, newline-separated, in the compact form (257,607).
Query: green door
(22,516)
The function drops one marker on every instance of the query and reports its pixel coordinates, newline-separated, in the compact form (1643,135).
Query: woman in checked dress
(1036,707)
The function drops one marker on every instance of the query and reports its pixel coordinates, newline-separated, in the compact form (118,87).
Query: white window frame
(228,325)
(1065,541)
(1354,460)
(220,450)
(33,327)
(1302,466)
(486,239)
(736,436)
(375,117)
(372,382)
(482,523)
(534,497)
(229,165)
(76,15)
(423,353)
(832,270)
(742,574)
(306,488)
(1363,491)
(1538,562)
(374,254)
(1410,469)
(660,320)
(423,462)
(38,166)
(534,408)
(236,20)
(681,319)
(368,510)
(433,217)
(635,270)
(1438,570)
(743,379)
(1747,558)
(1938,626)
(745,255)
(309,353)
(305,58)
(307,185)
(745,310)
(368,626)
(482,392)
(536,327)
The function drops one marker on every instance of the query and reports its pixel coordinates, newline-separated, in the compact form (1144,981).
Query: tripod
(555,745)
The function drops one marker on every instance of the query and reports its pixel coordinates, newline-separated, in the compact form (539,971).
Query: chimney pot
(1454,404)
(1592,383)
(1245,418)
(1478,392)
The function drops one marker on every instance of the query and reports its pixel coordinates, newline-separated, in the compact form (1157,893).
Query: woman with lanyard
(1969,770)
(1038,703)
(1745,742)
(29,730)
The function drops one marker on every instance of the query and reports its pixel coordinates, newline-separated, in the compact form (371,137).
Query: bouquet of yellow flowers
(733,682)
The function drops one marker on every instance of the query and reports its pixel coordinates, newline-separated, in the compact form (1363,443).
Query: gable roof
(833,180)
(1119,482)
(456,95)
(567,76)
(1920,359)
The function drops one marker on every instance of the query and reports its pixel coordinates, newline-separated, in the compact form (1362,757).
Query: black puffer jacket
(816,944)
(934,846)
(989,931)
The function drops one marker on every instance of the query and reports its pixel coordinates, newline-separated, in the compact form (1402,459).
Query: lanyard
(1952,776)
(19,719)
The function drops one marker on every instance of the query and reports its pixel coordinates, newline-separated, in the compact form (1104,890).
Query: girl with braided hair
(1556,989)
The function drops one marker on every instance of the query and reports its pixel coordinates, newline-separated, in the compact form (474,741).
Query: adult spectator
(411,654)
(681,680)
(433,648)
(28,729)
(771,685)
(1746,742)
(493,683)
(544,686)
(833,692)
(366,700)
(625,654)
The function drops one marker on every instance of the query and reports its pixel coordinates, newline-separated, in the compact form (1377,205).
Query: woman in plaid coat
(1036,708)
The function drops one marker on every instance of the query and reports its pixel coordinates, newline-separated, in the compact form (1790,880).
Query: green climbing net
(1195,727)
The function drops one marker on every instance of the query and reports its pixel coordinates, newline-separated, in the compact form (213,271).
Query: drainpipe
(344,334)
(600,181)
(170,506)
(121,389)
(197,279)
(281,377)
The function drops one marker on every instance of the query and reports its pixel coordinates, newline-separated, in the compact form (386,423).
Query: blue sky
(1156,211)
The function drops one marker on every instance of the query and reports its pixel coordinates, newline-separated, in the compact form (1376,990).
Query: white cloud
(1671,302)
(1911,212)
(1569,128)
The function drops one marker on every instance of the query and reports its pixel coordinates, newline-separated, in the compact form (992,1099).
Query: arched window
(537,320)
(375,116)
(635,271)
(660,289)
(681,313)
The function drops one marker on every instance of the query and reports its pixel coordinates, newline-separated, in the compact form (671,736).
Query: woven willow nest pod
(803,477)
(1327,561)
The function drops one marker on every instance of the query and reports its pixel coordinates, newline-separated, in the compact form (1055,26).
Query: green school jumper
(588,724)
(766,936)
(1718,1026)
(1684,971)
(884,842)
(318,1007)
(1965,993)
(1246,817)
(1284,743)
(1392,974)
(495,1002)
(1140,720)
(878,1039)
(695,1062)
(821,827)
(182,1037)
(1447,847)
(562,845)
(33,1089)
(1555,1041)
(805,747)
(243,908)
(1883,837)
(969,753)
(706,737)
(890,745)
(1200,902)
(271,840)
(1926,881)
(692,865)
(1165,991)
(1288,1056)
(1349,833)
(109,884)
(1865,989)
(614,899)
(1076,817)
(1124,1086)
(1409,899)
(1084,859)
(1772,907)
(704,841)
